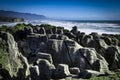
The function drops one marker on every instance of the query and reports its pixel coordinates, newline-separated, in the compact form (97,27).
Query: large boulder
(112,56)
(42,30)
(62,71)
(12,60)
(35,41)
(46,69)
(99,45)
(74,30)
(54,30)
(28,30)
(90,59)
(34,72)
(86,40)
(62,51)
(36,29)
(34,57)
(24,48)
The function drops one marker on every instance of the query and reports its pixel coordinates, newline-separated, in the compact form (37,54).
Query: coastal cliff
(11,19)
(45,52)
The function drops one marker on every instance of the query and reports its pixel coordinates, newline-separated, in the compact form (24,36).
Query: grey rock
(86,40)
(86,74)
(34,72)
(24,48)
(28,30)
(112,57)
(44,56)
(86,59)
(74,30)
(36,29)
(58,36)
(42,31)
(35,41)
(15,62)
(74,70)
(107,40)
(62,51)
(54,30)
(45,69)
(60,31)
(62,71)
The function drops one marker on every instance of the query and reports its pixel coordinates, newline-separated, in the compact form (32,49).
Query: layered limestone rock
(54,54)
(14,61)
(45,68)
(62,71)
(90,59)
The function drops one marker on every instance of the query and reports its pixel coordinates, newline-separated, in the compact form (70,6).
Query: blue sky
(66,9)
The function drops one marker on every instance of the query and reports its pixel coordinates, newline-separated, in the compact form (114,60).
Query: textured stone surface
(62,71)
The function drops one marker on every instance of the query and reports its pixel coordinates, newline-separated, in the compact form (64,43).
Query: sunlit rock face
(15,62)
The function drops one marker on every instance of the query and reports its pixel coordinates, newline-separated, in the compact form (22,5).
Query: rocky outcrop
(112,56)
(62,71)
(45,68)
(45,54)
(86,74)
(15,62)
(34,72)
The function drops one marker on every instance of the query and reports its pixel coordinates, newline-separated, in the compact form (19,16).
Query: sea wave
(87,27)
(109,28)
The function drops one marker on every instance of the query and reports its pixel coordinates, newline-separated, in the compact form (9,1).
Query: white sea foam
(109,28)
(100,28)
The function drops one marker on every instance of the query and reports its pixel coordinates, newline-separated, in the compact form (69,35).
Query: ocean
(109,27)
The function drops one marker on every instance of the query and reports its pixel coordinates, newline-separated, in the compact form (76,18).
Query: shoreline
(88,28)
(53,52)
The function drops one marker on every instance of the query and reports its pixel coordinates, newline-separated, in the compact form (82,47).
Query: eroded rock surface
(46,54)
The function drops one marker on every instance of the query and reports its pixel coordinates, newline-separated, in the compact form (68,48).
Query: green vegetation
(115,76)
(47,26)
(3,53)
(14,29)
